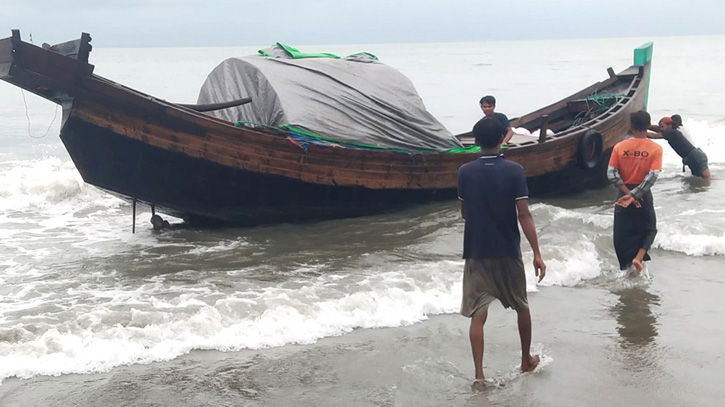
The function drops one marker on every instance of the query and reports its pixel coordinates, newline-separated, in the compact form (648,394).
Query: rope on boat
(28,117)
(596,105)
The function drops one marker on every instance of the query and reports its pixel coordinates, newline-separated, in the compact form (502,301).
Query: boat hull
(206,193)
(203,192)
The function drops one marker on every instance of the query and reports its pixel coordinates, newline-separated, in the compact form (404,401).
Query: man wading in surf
(692,156)
(633,168)
(493,194)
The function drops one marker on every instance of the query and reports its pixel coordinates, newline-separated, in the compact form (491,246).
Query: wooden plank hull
(205,192)
(205,170)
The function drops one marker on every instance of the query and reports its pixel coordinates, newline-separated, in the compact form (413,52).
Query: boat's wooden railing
(217,106)
(543,122)
(78,49)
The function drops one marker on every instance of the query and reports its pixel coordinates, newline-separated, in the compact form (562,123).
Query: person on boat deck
(633,168)
(692,156)
(494,194)
(488,105)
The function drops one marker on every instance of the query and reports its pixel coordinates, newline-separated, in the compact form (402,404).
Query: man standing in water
(633,168)
(692,156)
(493,194)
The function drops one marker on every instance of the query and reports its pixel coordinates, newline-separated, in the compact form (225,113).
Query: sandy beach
(616,342)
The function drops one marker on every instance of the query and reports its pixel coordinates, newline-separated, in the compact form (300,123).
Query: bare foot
(479,385)
(638,266)
(530,364)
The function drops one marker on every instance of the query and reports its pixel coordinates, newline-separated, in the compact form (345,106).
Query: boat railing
(636,71)
(217,106)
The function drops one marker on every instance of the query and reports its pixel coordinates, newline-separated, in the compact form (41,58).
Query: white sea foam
(221,246)
(128,326)
(38,183)
(599,220)
(138,326)
(709,137)
(571,257)
(674,238)
(571,264)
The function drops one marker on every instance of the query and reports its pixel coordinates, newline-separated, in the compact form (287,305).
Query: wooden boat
(205,170)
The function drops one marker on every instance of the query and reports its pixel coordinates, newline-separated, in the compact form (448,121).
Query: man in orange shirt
(633,168)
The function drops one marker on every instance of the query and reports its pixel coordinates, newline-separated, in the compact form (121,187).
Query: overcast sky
(160,23)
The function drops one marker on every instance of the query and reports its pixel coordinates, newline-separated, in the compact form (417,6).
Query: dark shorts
(697,161)
(485,280)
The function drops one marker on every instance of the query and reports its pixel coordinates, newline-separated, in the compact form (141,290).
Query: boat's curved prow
(643,57)
(49,71)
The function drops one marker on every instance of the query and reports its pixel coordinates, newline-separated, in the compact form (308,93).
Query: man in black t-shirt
(692,156)
(493,195)
(488,105)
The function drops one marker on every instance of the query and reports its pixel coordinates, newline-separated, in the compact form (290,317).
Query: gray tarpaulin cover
(354,99)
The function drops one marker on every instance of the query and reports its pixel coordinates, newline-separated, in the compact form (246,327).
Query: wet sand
(609,343)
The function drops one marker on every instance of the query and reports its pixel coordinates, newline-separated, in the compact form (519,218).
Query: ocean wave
(708,136)
(36,183)
(673,238)
(600,221)
(138,325)
(569,265)
(146,323)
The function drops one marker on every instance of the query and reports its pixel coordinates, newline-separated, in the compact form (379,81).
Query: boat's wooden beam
(217,106)
(70,49)
(544,128)
(85,48)
(6,57)
(51,64)
(43,86)
(632,71)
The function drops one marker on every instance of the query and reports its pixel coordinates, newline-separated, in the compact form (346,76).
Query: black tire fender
(589,151)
